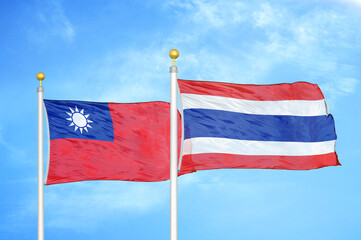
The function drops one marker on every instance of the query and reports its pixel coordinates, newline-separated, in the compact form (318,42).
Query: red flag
(108,141)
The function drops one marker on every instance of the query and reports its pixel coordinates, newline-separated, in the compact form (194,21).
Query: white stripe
(245,147)
(284,107)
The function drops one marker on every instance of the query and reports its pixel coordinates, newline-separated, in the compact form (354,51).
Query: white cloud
(134,75)
(307,41)
(352,2)
(214,186)
(314,43)
(85,204)
(211,13)
(52,22)
(280,37)
(348,85)
(338,87)
(10,149)
(267,16)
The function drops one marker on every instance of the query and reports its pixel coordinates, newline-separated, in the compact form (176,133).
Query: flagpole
(40,76)
(173,148)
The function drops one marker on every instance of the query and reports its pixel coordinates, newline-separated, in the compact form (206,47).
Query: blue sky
(118,51)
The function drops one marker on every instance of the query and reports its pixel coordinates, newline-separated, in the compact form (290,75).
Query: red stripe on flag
(275,92)
(206,161)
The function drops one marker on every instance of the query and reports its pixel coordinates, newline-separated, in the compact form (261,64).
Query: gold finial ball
(40,76)
(173,53)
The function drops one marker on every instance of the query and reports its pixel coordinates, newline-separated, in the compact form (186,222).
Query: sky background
(117,51)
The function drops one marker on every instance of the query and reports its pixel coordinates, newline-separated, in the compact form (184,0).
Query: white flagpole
(173,148)
(40,76)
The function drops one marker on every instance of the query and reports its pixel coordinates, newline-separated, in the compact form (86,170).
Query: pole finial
(173,54)
(40,76)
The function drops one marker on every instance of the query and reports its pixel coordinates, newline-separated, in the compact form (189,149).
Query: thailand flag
(108,141)
(281,126)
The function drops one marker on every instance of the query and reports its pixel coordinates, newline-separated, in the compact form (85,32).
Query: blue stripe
(224,124)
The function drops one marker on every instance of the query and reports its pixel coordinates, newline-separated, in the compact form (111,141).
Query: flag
(281,126)
(108,141)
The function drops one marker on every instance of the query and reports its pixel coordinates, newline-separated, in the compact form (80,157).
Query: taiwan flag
(108,141)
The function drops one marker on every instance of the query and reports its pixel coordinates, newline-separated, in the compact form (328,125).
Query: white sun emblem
(79,120)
